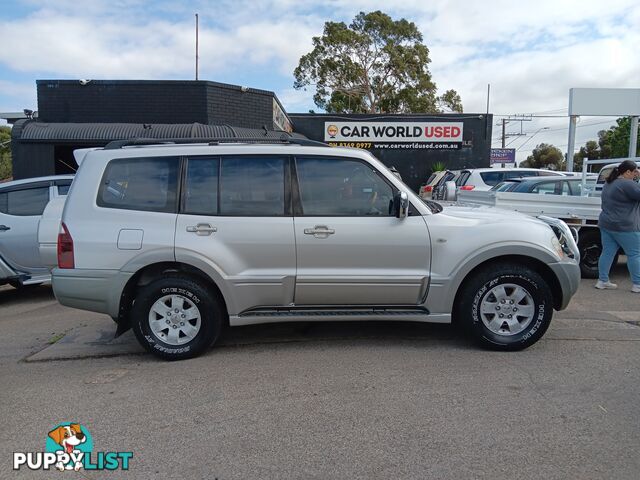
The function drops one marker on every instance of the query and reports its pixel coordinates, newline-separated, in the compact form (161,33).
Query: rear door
(20,210)
(351,249)
(235,213)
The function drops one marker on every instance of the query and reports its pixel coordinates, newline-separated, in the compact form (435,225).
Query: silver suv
(178,241)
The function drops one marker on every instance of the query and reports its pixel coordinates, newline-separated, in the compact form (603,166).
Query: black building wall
(415,165)
(154,101)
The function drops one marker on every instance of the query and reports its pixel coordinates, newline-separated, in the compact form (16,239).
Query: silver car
(179,241)
(21,205)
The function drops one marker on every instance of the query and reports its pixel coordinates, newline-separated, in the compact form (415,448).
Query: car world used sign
(409,135)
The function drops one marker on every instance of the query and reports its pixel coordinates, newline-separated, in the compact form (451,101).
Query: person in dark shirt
(619,223)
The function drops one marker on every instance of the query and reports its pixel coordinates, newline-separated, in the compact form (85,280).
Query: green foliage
(544,156)
(5,153)
(374,65)
(611,143)
(438,167)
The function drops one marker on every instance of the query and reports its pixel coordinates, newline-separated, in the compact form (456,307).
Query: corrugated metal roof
(105,132)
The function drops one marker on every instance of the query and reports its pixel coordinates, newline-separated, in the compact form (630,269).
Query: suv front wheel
(176,318)
(506,307)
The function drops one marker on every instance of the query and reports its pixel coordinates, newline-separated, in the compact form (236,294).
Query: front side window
(252,186)
(147,184)
(342,187)
(24,203)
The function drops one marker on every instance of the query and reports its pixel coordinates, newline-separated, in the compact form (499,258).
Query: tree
(5,152)
(374,65)
(544,156)
(612,143)
(616,139)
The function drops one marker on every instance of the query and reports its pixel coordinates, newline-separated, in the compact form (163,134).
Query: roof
(33,131)
(49,178)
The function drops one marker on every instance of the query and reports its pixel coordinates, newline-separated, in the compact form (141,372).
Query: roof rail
(285,138)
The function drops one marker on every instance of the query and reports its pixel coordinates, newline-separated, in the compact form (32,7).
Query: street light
(538,131)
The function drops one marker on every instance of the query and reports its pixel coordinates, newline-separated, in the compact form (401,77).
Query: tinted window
(147,184)
(462,178)
(331,186)
(252,186)
(201,186)
(545,174)
(545,188)
(63,186)
(492,178)
(505,187)
(27,202)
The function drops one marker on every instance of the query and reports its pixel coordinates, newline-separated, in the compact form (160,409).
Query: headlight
(555,243)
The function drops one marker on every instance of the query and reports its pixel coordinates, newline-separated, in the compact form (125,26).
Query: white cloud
(530,52)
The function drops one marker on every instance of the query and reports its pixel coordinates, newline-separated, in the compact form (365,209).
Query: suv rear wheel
(506,307)
(176,318)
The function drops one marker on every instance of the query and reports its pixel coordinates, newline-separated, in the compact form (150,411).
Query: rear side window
(462,178)
(201,186)
(147,184)
(24,203)
(63,186)
(492,178)
(252,186)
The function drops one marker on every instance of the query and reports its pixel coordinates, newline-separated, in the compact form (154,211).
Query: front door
(20,210)
(351,249)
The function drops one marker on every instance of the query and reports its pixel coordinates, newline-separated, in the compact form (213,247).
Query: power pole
(196,46)
(504,125)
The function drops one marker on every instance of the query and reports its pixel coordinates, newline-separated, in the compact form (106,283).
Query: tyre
(590,246)
(176,318)
(505,307)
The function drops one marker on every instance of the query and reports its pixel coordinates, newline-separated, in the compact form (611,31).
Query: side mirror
(401,204)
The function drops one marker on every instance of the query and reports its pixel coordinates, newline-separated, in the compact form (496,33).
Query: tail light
(65,249)
(428,188)
(467,187)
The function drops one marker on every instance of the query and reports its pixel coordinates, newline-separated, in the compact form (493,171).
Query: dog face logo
(69,438)
(332,130)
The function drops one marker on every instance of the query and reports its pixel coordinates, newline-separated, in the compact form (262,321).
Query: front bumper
(568,274)
(94,290)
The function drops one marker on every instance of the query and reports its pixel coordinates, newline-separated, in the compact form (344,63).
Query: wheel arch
(151,272)
(534,264)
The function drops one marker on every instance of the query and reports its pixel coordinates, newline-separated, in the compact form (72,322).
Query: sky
(530,52)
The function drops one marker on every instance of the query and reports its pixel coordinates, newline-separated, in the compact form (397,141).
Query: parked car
(21,205)
(559,185)
(440,188)
(426,189)
(484,179)
(177,241)
(605,172)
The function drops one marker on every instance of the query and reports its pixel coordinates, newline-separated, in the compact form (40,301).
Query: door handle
(202,229)
(4,228)
(319,231)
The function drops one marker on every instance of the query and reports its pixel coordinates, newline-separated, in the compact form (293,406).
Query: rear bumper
(568,275)
(94,290)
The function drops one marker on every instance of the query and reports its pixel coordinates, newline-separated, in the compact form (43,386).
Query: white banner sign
(393,132)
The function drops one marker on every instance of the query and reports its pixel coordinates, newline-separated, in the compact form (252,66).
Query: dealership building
(90,113)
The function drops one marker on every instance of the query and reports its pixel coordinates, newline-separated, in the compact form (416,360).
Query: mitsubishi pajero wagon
(178,241)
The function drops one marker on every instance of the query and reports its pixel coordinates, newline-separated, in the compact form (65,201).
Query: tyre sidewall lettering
(531,286)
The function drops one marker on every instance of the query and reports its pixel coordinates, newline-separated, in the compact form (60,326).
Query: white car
(21,205)
(484,179)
